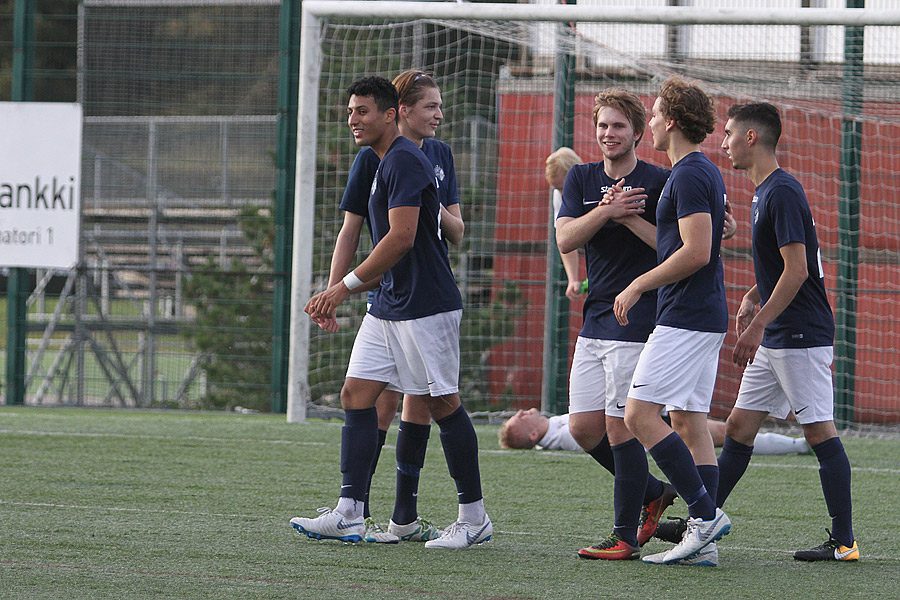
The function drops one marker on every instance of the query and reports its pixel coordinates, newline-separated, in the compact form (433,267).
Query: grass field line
(550,454)
(142,436)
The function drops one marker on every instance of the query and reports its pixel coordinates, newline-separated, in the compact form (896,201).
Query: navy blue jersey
(421,283)
(359,183)
(781,216)
(362,172)
(615,255)
(696,303)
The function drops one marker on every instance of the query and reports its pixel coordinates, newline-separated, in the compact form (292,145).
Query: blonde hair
(559,163)
(515,438)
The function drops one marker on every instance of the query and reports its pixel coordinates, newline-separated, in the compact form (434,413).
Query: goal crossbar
(670,15)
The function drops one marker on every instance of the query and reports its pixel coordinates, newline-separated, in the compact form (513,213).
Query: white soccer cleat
(463,535)
(419,530)
(708,557)
(330,525)
(698,536)
(375,534)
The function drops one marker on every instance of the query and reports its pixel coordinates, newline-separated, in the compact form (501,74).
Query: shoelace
(452,529)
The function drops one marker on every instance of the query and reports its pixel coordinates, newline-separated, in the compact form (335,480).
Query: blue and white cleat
(708,557)
(698,536)
(331,525)
(463,535)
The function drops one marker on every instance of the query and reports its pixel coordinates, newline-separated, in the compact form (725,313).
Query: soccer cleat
(830,550)
(331,525)
(699,535)
(652,513)
(377,535)
(708,557)
(463,535)
(419,530)
(612,548)
(671,530)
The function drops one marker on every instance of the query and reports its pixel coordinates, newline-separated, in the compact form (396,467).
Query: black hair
(379,89)
(760,116)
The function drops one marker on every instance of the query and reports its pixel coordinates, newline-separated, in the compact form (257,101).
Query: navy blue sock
(382,437)
(675,461)
(412,441)
(654,488)
(709,474)
(733,462)
(604,455)
(461,451)
(631,480)
(834,472)
(359,442)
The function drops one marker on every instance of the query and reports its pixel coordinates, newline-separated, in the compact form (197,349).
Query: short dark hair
(689,106)
(763,117)
(379,89)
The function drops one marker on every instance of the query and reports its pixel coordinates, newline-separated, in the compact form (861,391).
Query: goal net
(499,79)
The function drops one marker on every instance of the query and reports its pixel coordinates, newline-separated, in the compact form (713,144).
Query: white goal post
(315,12)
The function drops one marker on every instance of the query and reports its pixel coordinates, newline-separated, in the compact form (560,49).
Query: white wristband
(352,281)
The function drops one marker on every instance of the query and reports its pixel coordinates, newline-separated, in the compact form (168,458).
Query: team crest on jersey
(438,173)
(374,185)
(755,209)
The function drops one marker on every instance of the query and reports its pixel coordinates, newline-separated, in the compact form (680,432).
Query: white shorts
(783,379)
(678,369)
(601,374)
(418,356)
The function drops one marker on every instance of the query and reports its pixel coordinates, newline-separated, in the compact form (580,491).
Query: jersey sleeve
(453,192)
(690,188)
(788,212)
(359,182)
(406,177)
(571,195)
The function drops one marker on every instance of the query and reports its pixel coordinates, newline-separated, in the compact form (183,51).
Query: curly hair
(626,103)
(411,86)
(379,89)
(689,106)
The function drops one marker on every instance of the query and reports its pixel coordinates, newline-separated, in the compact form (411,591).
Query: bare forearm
(570,264)
(452,225)
(344,251)
(572,233)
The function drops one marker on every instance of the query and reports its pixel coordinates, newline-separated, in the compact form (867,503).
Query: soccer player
(556,168)
(409,338)
(677,367)
(786,347)
(419,115)
(529,429)
(619,239)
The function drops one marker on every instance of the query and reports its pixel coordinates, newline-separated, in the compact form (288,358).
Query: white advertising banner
(40,184)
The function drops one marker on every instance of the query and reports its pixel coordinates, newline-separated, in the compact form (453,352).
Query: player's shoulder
(404,153)
(432,145)
(651,171)
(782,187)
